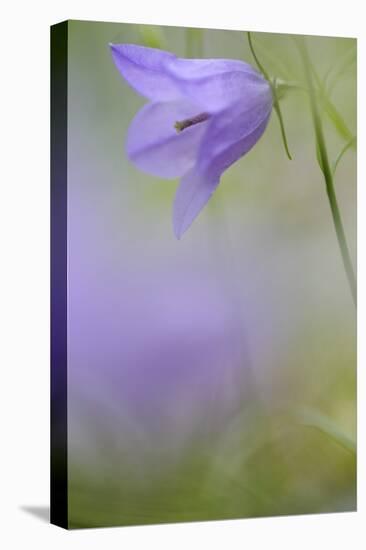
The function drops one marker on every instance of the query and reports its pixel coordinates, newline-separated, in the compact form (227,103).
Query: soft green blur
(291,449)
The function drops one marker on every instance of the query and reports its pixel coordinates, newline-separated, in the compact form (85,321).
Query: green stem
(330,109)
(259,65)
(327,172)
(348,145)
(276,104)
(277,109)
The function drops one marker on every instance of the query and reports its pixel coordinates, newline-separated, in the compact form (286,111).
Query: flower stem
(351,143)
(276,104)
(277,109)
(327,172)
(259,64)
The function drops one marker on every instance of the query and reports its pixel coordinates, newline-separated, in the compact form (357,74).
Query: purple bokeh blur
(159,353)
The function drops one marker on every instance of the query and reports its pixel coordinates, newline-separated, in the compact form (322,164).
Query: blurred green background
(288,444)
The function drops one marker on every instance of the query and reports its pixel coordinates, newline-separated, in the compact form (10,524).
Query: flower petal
(229,136)
(230,128)
(155,146)
(211,83)
(216,84)
(192,194)
(144,69)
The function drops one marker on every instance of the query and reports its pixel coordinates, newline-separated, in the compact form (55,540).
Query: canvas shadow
(40,512)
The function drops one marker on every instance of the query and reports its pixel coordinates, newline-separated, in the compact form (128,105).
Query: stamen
(180,125)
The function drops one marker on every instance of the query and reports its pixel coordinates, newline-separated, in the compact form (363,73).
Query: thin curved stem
(348,145)
(259,65)
(327,172)
(276,104)
(276,107)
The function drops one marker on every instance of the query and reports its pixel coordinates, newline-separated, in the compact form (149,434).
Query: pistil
(181,125)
